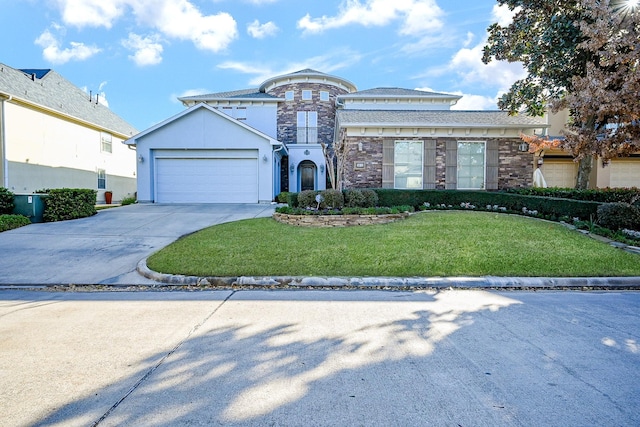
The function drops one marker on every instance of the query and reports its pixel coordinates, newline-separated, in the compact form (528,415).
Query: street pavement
(106,248)
(316,358)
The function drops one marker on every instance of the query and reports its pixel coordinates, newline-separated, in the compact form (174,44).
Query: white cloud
(91,13)
(325,63)
(260,31)
(417,16)
(53,53)
(467,64)
(475,102)
(147,50)
(502,15)
(178,19)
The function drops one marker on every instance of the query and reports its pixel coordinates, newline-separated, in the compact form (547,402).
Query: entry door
(307,176)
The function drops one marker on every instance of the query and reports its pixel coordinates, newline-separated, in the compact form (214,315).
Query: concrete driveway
(105,248)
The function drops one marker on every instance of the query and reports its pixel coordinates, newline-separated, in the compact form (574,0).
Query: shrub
(9,222)
(370,197)
(546,207)
(618,216)
(292,199)
(128,201)
(283,197)
(603,195)
(353,198)
(6,201)
(307,199)
(69,203)
(332,199)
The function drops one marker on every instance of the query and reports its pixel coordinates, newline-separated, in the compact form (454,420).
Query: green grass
(427,244)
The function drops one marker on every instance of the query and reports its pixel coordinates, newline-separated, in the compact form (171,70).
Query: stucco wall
(48,152)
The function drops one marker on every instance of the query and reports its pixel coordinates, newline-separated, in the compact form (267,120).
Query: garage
(560,172)
(202,155)
(207,180)
(624,173)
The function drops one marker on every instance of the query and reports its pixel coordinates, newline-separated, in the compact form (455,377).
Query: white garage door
(625,173)
(198,180)
(560,173)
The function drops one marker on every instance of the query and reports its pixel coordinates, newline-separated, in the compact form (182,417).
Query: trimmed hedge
(552,208)
(69,203)
(618,216)
(9,222)
(603,195)
(6,201)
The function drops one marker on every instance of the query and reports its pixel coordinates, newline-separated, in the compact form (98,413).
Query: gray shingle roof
(243,93)
(397,91)
(439,118)
(49,89)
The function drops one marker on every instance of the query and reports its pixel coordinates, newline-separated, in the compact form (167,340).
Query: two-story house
(249,145)
(54,135)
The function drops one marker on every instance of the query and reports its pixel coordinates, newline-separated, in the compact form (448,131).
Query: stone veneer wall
(337,220)
(515,168)
(287,110)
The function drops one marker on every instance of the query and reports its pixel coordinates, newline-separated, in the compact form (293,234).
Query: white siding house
(205,156)
(52,135)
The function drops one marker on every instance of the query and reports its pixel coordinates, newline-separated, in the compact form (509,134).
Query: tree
(581,55)
(336,157)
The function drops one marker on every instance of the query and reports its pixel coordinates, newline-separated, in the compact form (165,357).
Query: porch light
(140,159)
(292,168)
(264,158)
(321,168)
(524,147)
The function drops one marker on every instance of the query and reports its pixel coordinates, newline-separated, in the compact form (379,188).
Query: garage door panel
(560,173)
(625,173)
(206,180)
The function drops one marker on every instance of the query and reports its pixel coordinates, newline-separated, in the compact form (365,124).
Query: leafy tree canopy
(581,55)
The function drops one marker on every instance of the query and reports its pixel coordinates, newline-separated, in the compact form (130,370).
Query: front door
(307,176)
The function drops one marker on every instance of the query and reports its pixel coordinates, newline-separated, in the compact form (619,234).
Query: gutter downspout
(3,143)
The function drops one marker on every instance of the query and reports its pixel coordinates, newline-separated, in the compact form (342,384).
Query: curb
(396,283)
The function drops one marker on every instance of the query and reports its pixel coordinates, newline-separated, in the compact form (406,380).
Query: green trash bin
(29,205)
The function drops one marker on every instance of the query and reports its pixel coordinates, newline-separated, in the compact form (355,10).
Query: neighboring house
(55,135)
(249,145)
(560,170)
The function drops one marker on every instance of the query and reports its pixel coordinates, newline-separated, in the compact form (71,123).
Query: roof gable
(192,109)
(47,89)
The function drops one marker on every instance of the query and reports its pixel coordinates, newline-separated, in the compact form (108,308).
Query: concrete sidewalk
(105,248)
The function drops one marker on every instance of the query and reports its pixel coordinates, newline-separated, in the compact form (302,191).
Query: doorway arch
(307,171)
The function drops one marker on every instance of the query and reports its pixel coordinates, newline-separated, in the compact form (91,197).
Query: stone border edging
(337,220)
(485,282)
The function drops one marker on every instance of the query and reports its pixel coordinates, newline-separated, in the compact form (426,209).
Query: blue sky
(140,55)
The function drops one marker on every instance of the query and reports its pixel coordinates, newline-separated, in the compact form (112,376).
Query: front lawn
(425,245)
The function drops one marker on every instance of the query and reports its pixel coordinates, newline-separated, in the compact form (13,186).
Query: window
(471,165)
(407,164)
(306,95)
(307,127)
(288,95)
(105,142)
(324,95)
(102,179)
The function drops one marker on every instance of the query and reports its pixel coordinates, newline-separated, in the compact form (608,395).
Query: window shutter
(388,147)
(492,165)
(451,164)
(429,165)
